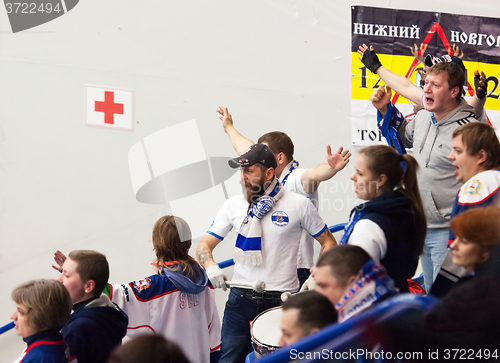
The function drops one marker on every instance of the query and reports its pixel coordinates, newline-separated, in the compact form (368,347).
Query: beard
(256,191)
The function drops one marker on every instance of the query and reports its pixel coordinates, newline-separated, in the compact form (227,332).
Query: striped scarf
(248,249)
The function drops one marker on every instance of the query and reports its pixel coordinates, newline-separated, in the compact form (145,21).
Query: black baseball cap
(255,154)
(430,60)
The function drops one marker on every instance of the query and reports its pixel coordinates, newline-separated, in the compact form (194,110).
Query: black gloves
(370,60)
(480,90)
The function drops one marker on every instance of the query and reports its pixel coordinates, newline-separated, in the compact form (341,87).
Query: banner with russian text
(476,40)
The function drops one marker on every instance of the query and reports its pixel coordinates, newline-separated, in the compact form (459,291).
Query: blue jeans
(239,312)
(436,245)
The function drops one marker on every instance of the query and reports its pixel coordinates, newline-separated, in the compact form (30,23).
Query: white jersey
(282,228)
(305,257)
(154,305)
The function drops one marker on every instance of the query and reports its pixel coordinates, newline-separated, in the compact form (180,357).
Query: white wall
(277,64)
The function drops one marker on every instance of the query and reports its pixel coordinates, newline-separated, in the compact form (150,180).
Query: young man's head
(257,170)
(443,88)
(304,314)
(475,148)
(85,274)
(281,146)
(336,269)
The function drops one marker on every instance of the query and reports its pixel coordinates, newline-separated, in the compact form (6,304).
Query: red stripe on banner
(435,27)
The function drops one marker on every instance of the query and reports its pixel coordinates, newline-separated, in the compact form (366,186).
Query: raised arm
(311,178)
(479,98)
(240,143)
(398,83)
(206,259)
(380,98)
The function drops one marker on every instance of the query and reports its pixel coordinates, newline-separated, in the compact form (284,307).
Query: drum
(266,332)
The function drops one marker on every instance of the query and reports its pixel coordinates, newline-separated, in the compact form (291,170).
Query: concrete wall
(277,64)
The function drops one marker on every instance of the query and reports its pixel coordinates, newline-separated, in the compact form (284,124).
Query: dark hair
(279,142)
(456,77)
(171,242)
(48,303)
(479,136)
(344,261)
(385,160)
(92,265)
(148,348)
(315,310)
(480,225)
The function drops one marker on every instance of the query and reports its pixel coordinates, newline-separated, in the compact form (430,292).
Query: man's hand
(418,52)
(59,257)
(381,98)
(369,58)
(339,160)
(480,84)
(227,120)
(217,277)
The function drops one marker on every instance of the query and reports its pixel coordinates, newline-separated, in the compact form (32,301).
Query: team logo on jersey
(142,284)
(473,187)
(280,218)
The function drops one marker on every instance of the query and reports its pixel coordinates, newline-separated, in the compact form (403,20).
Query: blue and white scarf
(248,249)
(371,284)
(295,165)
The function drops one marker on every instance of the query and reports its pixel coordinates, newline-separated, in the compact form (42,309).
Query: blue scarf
(359,212)
(248,249)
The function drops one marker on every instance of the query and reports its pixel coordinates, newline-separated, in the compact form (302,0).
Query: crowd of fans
(440,205)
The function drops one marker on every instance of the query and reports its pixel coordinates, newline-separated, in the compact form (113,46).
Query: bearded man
(269,221)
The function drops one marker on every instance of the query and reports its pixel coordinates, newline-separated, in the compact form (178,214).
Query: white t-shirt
(370,237)
(293,184)
(280,240)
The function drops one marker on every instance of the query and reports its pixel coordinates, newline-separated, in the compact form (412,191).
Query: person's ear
(382,180)
(280,158)
(455,91)
(350,280)
(314,331)
(89,286)
(269,175)
(485,254)
(482,155)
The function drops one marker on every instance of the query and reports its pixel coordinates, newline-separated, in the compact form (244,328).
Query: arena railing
(6,327)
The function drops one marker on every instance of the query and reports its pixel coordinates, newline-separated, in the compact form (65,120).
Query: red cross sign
(108,107)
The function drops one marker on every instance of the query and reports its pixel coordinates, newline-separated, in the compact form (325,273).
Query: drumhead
(265,328)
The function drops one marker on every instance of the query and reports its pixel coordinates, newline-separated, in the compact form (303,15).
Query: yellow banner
(364,81)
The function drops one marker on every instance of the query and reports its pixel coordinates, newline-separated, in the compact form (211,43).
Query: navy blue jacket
(393,213)
(45,347)
(95,328)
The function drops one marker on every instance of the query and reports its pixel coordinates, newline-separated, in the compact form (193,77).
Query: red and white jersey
(154,305)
